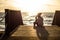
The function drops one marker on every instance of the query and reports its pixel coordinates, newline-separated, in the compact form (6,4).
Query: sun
(31,6)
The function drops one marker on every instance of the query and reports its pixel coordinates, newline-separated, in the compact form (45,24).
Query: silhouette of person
(40,29)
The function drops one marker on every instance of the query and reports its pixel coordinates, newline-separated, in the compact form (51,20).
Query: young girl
(38,21)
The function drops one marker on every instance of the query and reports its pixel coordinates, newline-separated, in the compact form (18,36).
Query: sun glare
(31,6)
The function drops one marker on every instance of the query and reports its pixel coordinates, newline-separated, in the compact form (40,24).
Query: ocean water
(2,21)
(47,19)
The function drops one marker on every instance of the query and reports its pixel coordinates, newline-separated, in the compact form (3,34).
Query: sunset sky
(31,6)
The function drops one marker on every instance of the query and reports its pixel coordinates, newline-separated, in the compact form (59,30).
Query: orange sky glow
(32,6)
